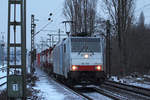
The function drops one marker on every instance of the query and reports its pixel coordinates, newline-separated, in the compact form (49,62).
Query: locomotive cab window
(85,45)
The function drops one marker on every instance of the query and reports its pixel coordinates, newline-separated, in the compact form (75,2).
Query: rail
(135,89)
(98,90)
(110,94)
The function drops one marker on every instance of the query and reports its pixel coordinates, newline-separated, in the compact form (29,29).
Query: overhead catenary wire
(42,28)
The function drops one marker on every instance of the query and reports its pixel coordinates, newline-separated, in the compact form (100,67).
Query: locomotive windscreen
(85,45)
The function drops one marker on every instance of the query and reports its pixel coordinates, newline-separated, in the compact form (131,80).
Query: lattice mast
(16,42)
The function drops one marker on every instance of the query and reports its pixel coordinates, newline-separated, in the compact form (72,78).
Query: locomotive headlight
(74,68)
(98,68)
(86,56)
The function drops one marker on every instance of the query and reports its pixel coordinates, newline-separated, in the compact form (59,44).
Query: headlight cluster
(74,68)
(98,68)
(86,56)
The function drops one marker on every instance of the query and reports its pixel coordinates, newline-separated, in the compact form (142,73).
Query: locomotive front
(86,60)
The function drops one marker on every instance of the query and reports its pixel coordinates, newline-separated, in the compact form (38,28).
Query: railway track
(135,89)
(107,90)
(127,90)
(101,92)
(1,84)
(3,69)
(83,91)
(110,94)
(82,94)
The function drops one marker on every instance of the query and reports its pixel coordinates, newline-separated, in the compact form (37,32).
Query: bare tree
(121,13)
(82,13)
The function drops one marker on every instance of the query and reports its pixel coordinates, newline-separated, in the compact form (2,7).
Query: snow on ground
(2,74)
(147,76)
(47,90)
(51,90)
(3,88)
(140,85)
(141,81)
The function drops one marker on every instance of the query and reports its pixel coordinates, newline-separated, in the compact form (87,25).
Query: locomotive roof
(66,39)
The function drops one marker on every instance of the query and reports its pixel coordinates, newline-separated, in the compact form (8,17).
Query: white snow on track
(139,81)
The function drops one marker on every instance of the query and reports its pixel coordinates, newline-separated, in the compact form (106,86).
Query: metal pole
(8,46)
(24,50)
(52,41)
(33,25)
(32,43)
(59,34)
(108,51)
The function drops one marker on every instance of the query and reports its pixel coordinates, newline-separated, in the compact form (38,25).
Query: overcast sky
(42,8)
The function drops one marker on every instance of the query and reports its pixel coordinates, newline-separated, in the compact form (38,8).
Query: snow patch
(147,76)
(136,81)
(48,91)
(2,74)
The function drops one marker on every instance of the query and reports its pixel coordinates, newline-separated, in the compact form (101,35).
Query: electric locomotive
(79,60)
